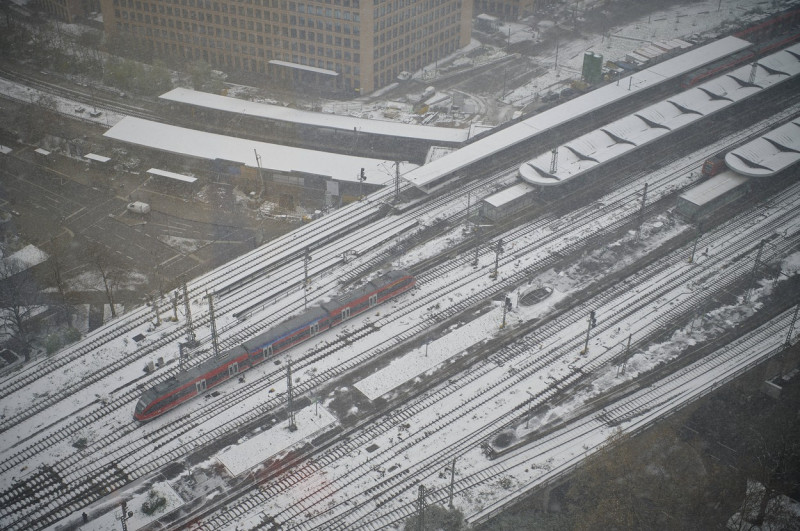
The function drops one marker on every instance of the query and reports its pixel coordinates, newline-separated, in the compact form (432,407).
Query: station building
(349,46)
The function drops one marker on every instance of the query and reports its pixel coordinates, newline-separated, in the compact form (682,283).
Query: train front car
(394,283)
(160,398)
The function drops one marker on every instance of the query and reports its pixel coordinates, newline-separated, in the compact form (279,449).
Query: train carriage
(178,389)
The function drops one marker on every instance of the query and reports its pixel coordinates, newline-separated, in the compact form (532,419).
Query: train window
(233,368)
(373,300)
(345,313)
(201,386)
(314,328)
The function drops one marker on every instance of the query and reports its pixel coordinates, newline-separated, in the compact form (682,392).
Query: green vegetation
(438,518)
(155,502)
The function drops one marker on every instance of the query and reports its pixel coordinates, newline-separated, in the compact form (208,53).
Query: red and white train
(197,380)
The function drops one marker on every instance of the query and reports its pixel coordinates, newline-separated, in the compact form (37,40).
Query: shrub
(154,502)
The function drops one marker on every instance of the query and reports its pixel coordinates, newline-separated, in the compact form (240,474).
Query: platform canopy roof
(346,124)
(274,157)
(668,116)
(769,154)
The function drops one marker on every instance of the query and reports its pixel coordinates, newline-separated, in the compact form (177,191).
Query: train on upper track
(184,386)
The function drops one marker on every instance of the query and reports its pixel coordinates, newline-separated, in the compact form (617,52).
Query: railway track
(502,388)
(96,99)
(679,282)
(112,472)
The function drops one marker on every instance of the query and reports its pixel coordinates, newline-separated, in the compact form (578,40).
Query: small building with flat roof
(705,198)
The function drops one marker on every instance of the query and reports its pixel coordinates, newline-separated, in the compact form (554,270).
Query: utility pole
(497,252)
(190,338)
(791,326)
(260,176)
(592,324)
(506,308)
(625,357)
(556,63)
(124,519)
(361,179)
(477,245)
(154,301)
(289,405)
(181,357)
(306,259)
(469,199)
(530,405)
(452,482)
(421,509)
(696,241)
(641,212)
(210,297)
(755,271)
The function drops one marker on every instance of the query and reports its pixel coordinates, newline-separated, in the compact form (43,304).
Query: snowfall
(696,18)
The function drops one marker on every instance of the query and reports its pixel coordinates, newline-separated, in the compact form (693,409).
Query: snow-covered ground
(564,282)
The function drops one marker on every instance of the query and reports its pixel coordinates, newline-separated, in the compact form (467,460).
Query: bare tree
(110,269)
(651,481)
(18,299)
(56,265)
(772,460)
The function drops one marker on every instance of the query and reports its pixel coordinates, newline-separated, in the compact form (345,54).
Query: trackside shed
(508,202)
(707,197)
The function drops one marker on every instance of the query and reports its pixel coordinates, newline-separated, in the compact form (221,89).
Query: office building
(349,46)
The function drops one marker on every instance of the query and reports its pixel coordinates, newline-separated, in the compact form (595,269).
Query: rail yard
(518,344)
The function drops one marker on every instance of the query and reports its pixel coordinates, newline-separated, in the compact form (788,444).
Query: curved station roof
(661,119)
(430,176)
(769,154)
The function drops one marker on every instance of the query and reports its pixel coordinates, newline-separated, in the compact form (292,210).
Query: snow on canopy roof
(667,115)
(427,177)
(503,197)
(655,121)
(711,189)
(95,157)
(769,154)
(274,157)
(244,456)
(171,175)
(315,119)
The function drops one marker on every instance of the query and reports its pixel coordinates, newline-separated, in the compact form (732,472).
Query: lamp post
(361,179)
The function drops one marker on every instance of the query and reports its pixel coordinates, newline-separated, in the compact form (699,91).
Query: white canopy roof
(427,176)
(315,119)
(636,130)
(765,156)
(273,157)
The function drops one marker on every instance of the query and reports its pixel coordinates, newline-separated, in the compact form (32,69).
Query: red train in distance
(184,386)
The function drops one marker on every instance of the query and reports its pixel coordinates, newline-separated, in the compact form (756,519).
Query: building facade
(509,10)
(345,45)
(68,10)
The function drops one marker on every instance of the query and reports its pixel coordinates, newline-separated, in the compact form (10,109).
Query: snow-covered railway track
(96,100)
(569,346)
(572,443)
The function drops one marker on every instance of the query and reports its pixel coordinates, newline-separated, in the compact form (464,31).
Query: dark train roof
(313,313)
(293,323)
